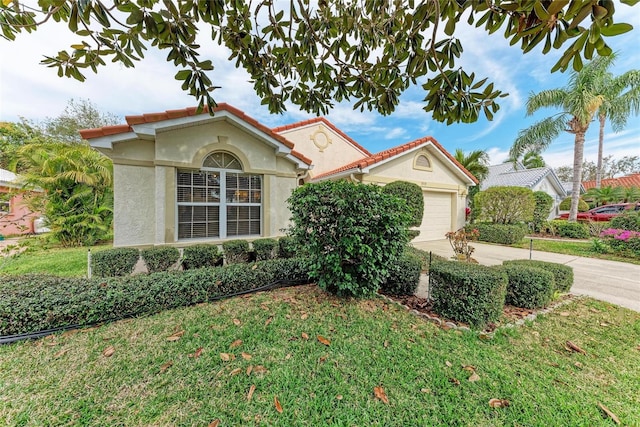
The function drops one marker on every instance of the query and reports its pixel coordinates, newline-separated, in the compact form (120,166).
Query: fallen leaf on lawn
(254,266)
(264,306)
(498,403)
(166,366)
(385,344)
(197,353)
(288,356)
(379,393)
(323,340)
(323,358)
(454,381)
(604,324)
(251,390)
(269,320)
(108,352)
(469,368)
(425,390)
(609,413)
(575,348)
(474,377)
(236,343)
(449,364)
(175,336)
(304,336)
(215,423)
(259,369)
(227,357)
(565,314)
(485,337)
(235,372)
(246,356)
(277,403)
(578,365)
(60,353)
(237,322)
(638,348)
(339,397)
(304,316)
(249,369)
(70,333)
(594,310)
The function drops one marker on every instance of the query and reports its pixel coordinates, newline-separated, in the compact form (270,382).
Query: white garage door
(436,221)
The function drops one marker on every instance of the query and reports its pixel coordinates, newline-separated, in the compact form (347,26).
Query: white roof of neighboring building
(7,176)
(506,174)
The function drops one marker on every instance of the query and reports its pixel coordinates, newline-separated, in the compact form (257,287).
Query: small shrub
(265,249)
(626,221)
(562,274)
(404,276)
(287,270)
(599,246)
(544,203)
(160,258)
(114,262)
(236,251)
(505,234)
(469,293)
(597,227)
(529,287)
(200,256)
(571,230)
(505,205)
(412,194)
(565,205)
(287,247)
(623,242)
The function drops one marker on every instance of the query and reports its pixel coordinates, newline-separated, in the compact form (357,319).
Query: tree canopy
(312,55)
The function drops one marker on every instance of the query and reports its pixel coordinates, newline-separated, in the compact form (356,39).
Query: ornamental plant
(622,241)
(505,205)
(354,234)
(459,241)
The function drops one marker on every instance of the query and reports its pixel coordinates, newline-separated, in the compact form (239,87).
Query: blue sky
(33,91)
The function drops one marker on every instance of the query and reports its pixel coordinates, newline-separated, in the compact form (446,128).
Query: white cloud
(396,133)
(497,155)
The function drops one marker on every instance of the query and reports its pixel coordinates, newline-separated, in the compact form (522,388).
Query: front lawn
(577,248)
(299,356)
(67,262)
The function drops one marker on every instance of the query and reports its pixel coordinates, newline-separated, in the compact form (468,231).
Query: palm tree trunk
(602,118)
(578,154)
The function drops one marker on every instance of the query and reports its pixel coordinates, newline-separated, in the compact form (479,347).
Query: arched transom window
(421,161)
(219,201)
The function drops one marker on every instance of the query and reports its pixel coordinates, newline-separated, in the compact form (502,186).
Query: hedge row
(570,230)
(528,287)
(562,274)
(506,234)
(33,303)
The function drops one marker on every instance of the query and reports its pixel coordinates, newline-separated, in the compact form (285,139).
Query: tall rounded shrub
(412,194)
(505,205)
(542,209)
(565,205)
(354,234)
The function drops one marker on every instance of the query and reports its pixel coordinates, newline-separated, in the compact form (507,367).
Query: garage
(436,221)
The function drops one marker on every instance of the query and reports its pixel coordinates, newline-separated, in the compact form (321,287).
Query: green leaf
(616,29)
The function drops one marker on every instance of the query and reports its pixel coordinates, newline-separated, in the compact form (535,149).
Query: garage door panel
(436,221)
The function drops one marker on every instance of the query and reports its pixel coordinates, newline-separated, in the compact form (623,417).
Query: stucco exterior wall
(134,214)
(19,219)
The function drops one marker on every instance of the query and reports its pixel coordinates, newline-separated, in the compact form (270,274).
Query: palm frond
(538,136)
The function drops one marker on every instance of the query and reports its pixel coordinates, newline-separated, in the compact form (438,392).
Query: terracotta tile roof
(328,124)
(632,180)
(186,112)
(392,152)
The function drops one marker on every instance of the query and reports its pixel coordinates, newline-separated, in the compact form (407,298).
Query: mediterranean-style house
(15,217)
(182,177)
(537,179)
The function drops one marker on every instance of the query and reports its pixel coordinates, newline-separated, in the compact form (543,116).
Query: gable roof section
(362,165)
(632,180)
(327,123)
(527,178)
(145,126)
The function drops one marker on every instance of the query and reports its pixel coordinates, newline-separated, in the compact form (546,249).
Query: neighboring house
(537,179)
(182,178)
(627,181)
(568,187)
(15,217)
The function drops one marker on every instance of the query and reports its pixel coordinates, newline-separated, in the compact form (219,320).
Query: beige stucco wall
(134,212)
(324,146)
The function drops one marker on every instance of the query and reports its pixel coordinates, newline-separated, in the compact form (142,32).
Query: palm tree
(579,103)
(604,195)
(618,105)
(476,162)
(631,194)
(530,160)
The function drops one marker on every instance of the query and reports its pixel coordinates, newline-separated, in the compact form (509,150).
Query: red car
(604,213)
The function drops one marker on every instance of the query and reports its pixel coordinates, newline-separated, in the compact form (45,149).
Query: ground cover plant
(300,356)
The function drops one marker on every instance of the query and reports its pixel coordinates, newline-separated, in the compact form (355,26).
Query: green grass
(580,248)
(59,261)
(66,379)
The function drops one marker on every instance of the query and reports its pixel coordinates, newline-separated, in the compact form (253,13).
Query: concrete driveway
(611,281)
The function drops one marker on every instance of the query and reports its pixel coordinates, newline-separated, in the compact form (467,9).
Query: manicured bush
(571,230)
(529,287)
(565,205)
(562,274)
(412,194)
(200,256)
(544,203)
(626,221)
(114,262)
(160,258)
(505,205)
(354,234)
(287,247)
(236,251)
(264,249)
(36,302)
(404,276)
(505,234)
(470,293)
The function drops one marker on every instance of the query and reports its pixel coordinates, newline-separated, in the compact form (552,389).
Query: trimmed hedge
(160,258)
(412,194)
(544,203)
(506,234)
(404,276)
(565,205)
(626,221)
(562,274)
(571,230)
(200,256)
(470,293)
(265,249)
(35,302)
(114,262)
(529,287)
(287,247)
(236,251)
